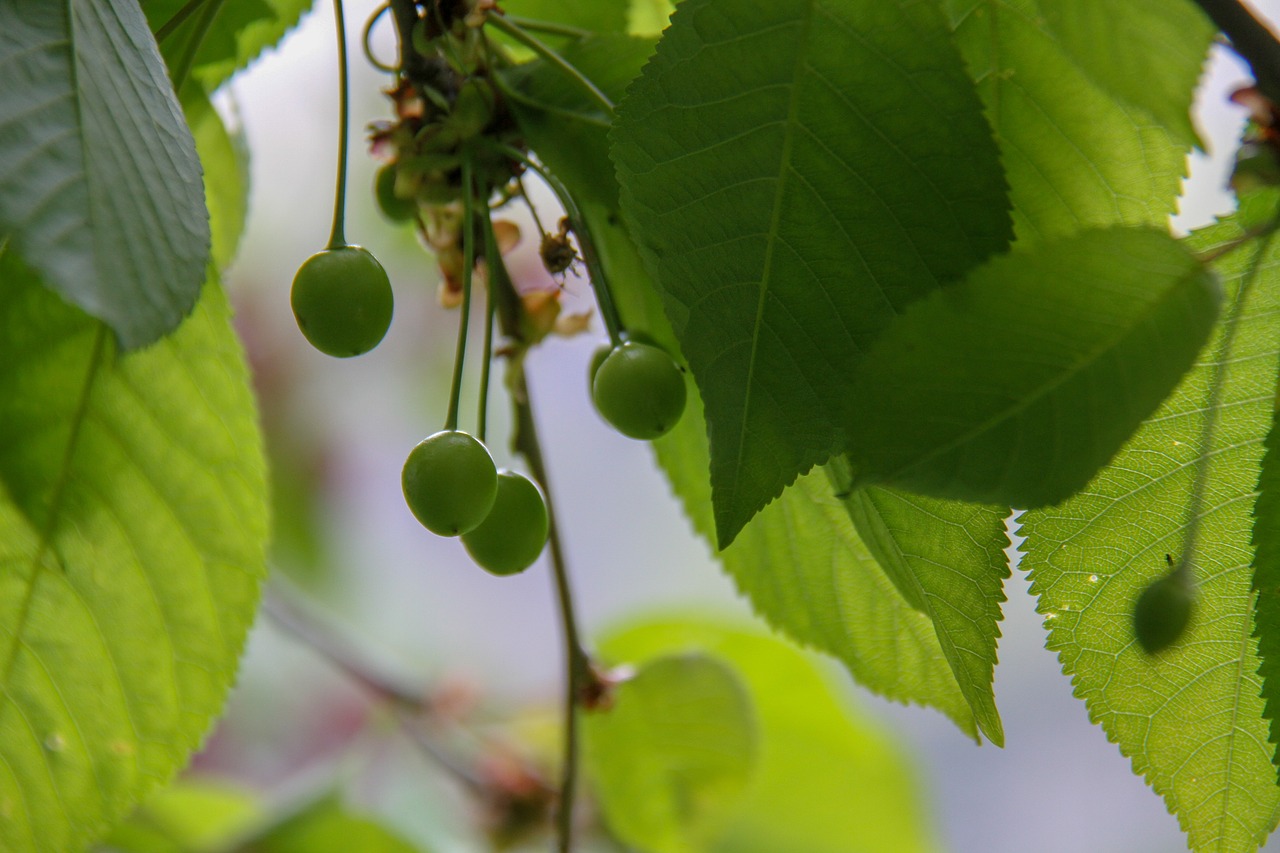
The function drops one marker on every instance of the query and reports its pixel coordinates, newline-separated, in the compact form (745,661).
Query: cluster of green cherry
(450,152)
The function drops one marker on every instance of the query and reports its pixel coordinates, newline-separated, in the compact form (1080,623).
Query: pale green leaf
(649,17)
(1191,718)
(827,779)
(225,159)
(132,538)
(947,559)
(1018,384)
(327,826)
(799,561)
(1073,156)
(190,816)
(1148,53)
(99,182)
(673,752)
(789,207)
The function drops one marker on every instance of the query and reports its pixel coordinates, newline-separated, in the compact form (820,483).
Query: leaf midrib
(772,238)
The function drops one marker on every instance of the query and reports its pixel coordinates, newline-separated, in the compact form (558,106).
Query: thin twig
(410,706)
(1250,38)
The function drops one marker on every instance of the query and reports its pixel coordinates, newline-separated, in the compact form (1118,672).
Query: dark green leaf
(1017,385)
(1148,53)
(132,539)
(796,173)
(827,778)
(1191,718)
(99,183)
(673,753)
(596,16)
(238,33)
(563,125)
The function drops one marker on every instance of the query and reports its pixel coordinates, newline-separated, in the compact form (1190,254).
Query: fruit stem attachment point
(516,31)
(468,268)
(337,236)
(599,283)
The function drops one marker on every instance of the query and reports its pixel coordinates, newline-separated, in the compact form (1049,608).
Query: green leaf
(1073,156)
(827,779)
(947,560)
(800,561)
(132,540)
(674,752)
(239,32)
(1191,718)
(190,816)
(99,182)
(789,209)
(1147,53)
(649,17)
(566,127)
(327,827)
(1017,385)
(596,16)
(225,159)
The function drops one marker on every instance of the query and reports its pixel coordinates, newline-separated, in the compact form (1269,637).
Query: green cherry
(514,532)
(394,207)
(1162,613)
(342,301)
(639,390)
(450,482)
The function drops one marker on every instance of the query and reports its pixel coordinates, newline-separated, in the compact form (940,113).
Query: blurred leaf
(191,816)
(827,779)
(649,17)
(788,209)
(563,125)
(674,752)
(99,182)
(326,827)
(1191,718)
(800,561)
(1017,385)
(1148,53)
(132,532)
(225,159)
(239,32)
(1073,156)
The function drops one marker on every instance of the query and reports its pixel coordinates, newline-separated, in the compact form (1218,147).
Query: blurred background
(339,431)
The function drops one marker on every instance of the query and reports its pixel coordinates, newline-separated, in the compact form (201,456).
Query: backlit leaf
(132,537)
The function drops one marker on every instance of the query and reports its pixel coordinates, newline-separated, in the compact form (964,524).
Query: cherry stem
(577,663)
(490,249)
(366,40)
(468,266)
(337,237)
(599,282)
(549,27)
(517,32)
(178,18)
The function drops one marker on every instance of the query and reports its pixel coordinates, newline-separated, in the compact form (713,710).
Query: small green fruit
(514,532)
(395,207)
(450,482)
(639,390)
(342,301)
(1162,613)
